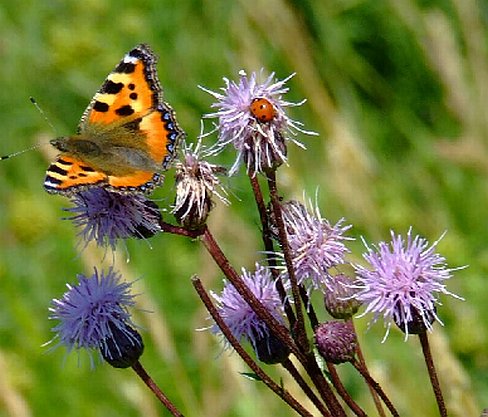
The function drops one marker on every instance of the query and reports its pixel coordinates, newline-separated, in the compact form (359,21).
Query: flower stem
(307,359)
(429,361)
(377,387)
(139,369)
(322,385)
(336,381)
(277,389)
(176,230)
(301,334)
(288,365)
(376,399)
(277,328)
(269,248)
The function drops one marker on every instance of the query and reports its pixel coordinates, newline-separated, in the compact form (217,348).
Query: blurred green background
(397,89)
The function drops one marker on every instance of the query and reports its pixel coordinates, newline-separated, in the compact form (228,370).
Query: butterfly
(126,136)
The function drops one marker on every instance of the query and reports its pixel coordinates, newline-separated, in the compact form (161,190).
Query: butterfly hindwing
(68,174)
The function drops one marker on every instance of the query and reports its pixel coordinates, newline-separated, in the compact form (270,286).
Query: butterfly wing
(131,96)
(67,175)
(128,116)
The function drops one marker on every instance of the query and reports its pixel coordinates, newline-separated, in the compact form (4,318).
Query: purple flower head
(105,216)
(251,115)
(239,316)
(196,183)
(402,281)
(316,245)
(94,315)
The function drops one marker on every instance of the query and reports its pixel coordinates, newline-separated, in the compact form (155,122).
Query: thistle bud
(123,347)
(337,298)
(336,341)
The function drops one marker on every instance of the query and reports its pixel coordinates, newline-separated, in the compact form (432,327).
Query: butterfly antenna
(20,152)
(34,102)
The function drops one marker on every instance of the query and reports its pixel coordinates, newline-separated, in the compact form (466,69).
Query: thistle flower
(402,282)
(244,322)
(336,341)
(105,216)
(252,117)
(196,183)
(316,246)
(94,315)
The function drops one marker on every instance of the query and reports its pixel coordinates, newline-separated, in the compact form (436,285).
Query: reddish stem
(177,230)
(377,387)
(269,247)
(429,361)
(301,334)
(139,369)
(288,365)
(277,328)
(277,389)
(376,398)
(336,381)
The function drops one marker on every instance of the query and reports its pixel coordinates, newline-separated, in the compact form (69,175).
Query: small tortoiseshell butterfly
(126,136)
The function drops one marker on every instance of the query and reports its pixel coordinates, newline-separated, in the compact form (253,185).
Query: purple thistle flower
(252,117)
(94,315)
(196,183)
(240,317)
(106,216)
(316,245)
(403,281)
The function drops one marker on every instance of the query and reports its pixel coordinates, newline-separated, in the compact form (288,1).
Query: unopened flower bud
(336,341)
(337,298)
(269,349)
(417,323)
(123,347)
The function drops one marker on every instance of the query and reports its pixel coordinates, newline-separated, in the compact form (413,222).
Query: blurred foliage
(397,89)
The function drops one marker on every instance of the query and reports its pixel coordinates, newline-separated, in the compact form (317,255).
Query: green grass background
(397,89)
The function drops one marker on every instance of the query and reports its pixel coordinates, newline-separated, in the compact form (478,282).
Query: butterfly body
(126,136)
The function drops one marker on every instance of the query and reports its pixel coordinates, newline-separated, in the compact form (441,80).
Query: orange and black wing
(132,96)
(68,175)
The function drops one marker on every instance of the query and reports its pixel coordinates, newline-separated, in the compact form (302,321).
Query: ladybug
(262,109)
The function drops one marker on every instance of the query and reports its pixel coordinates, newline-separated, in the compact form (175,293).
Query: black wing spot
(57,170)
(100,106)
(126,110)
(125,68)
(109,87)
(133,96)
(63,162)
(53,180)
(86,169)
(131,86)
